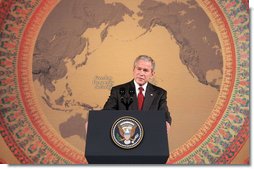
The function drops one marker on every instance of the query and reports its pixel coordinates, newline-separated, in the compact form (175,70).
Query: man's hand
(86,125)
(167,126)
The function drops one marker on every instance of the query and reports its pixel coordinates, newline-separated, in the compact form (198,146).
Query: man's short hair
(145,58)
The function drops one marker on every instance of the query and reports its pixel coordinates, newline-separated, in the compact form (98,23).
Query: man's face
(143,72)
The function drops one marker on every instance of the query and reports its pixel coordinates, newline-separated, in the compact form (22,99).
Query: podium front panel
(101,149)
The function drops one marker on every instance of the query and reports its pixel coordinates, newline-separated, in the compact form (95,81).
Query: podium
(151,141)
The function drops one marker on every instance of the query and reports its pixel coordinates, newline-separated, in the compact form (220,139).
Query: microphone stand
(127,102)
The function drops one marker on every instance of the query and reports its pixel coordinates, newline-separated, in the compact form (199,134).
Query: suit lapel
(149,96)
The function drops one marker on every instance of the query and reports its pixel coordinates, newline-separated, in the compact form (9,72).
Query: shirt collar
(137,86)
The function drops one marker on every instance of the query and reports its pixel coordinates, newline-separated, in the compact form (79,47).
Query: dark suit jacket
(155,99)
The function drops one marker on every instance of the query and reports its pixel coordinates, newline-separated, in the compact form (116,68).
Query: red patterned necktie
(140,98)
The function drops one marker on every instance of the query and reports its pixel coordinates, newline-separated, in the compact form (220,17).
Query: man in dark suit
(144,95)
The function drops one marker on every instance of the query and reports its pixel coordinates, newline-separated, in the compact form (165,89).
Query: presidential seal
(127,132)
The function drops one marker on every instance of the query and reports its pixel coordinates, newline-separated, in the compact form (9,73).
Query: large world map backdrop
(60,58)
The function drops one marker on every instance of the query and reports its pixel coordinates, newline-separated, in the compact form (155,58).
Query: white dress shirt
(137,86)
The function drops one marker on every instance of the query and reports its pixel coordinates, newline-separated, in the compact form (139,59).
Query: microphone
(131,93)
(122,93)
